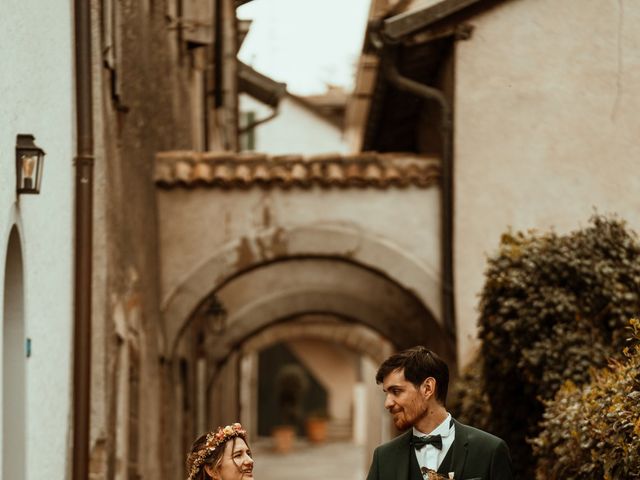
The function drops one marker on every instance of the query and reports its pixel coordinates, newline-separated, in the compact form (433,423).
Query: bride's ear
(212,471)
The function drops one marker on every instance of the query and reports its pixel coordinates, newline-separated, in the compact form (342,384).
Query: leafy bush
(594,431)
(552,307)
(468,400)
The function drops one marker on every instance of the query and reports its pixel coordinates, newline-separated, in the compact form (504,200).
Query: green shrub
(594,431)
(468,400)
(552,307)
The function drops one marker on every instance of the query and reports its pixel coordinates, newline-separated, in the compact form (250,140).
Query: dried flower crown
(214,439)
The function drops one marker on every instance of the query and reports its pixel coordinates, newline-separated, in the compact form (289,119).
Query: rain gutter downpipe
(83,242)
(388,52)
(274,113)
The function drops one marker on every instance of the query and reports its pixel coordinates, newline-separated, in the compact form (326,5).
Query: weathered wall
(243,228)
(148,98)
(547,100)
(36,92)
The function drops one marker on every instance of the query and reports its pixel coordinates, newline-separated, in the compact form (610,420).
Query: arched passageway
(326,310)
(13,363)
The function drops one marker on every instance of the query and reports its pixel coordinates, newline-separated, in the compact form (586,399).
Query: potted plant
(316,426)
(291,384)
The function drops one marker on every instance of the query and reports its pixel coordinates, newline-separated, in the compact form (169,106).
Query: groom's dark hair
(418,363)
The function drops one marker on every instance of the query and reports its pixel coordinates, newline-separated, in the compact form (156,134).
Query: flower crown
(214,440)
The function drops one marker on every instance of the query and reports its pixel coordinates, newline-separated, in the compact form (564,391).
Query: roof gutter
(388,53)
(83,161)
(263,89)
(403,24)
(246,129)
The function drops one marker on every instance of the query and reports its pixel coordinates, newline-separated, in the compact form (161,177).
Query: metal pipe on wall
(390,70)
(83,161)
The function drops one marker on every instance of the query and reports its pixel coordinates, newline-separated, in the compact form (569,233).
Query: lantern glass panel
(29,161)
(29,170)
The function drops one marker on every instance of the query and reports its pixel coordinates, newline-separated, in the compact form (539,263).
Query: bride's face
(237,463)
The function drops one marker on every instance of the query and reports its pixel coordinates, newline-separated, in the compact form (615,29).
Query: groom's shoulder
(395,443)
(475,435)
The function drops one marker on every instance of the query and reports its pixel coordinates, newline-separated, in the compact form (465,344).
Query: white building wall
(295,130)
(36,97)
(547,101)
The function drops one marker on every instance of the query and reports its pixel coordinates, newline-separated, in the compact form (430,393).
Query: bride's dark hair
(208,449)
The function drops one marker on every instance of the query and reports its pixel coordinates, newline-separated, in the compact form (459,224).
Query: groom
(415,382)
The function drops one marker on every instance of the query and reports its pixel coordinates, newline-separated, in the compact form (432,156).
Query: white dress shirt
(429,456)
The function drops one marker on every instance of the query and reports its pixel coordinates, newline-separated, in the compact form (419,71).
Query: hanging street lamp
(29,164)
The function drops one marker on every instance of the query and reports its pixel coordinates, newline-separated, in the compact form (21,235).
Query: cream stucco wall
(196,226)
(295,130)
(36,96)
(547,99)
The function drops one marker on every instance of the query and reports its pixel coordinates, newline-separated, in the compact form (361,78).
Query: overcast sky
(305,43)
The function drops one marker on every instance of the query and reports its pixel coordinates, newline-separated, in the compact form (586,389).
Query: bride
(222,454)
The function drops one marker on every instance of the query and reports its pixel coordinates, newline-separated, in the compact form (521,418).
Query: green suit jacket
(475,455)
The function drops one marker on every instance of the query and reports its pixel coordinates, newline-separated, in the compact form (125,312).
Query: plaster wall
(196,225)
(147,97)
(36,97)
(547,97)
(295,129)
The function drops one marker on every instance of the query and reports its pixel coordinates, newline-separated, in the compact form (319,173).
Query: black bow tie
(419,442)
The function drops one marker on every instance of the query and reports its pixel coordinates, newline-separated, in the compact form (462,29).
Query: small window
(247,138)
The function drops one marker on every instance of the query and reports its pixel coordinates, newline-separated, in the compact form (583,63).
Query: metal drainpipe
(83,242)
(388,61)
(259,122)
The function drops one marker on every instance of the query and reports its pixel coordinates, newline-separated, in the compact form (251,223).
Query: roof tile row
(228,170)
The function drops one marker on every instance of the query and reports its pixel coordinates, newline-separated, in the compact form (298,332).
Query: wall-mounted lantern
(29,163)
(216,315)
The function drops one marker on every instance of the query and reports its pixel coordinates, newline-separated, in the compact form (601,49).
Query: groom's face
(404,400)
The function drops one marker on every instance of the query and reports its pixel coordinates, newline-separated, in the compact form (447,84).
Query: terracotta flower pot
(316,429)
(283,437)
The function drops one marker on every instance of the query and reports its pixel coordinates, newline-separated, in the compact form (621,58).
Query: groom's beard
(407,416)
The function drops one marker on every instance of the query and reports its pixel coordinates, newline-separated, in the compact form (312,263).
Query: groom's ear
(428,387)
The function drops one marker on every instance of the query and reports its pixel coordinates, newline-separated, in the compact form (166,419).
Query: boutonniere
(429,474)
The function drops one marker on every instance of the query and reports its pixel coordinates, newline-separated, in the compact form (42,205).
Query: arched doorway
(13,363)
(300,299)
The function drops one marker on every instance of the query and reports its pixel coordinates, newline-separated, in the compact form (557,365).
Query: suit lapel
(402,456)
(460,447)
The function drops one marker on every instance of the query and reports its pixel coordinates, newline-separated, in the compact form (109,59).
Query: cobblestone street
(335,461)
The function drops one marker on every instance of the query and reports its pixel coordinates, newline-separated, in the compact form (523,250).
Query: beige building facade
(543,96)
(306,246)
(546,126)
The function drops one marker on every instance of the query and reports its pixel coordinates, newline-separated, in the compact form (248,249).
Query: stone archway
(274,293)
(283,289)
(355,337)
(13,363)
(279,275)
(325,241)
(362,421)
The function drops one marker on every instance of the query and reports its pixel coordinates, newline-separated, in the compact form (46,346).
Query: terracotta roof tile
(228,170)
(334,174)
(261,174)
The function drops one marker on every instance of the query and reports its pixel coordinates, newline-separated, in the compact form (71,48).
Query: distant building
(289,123)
